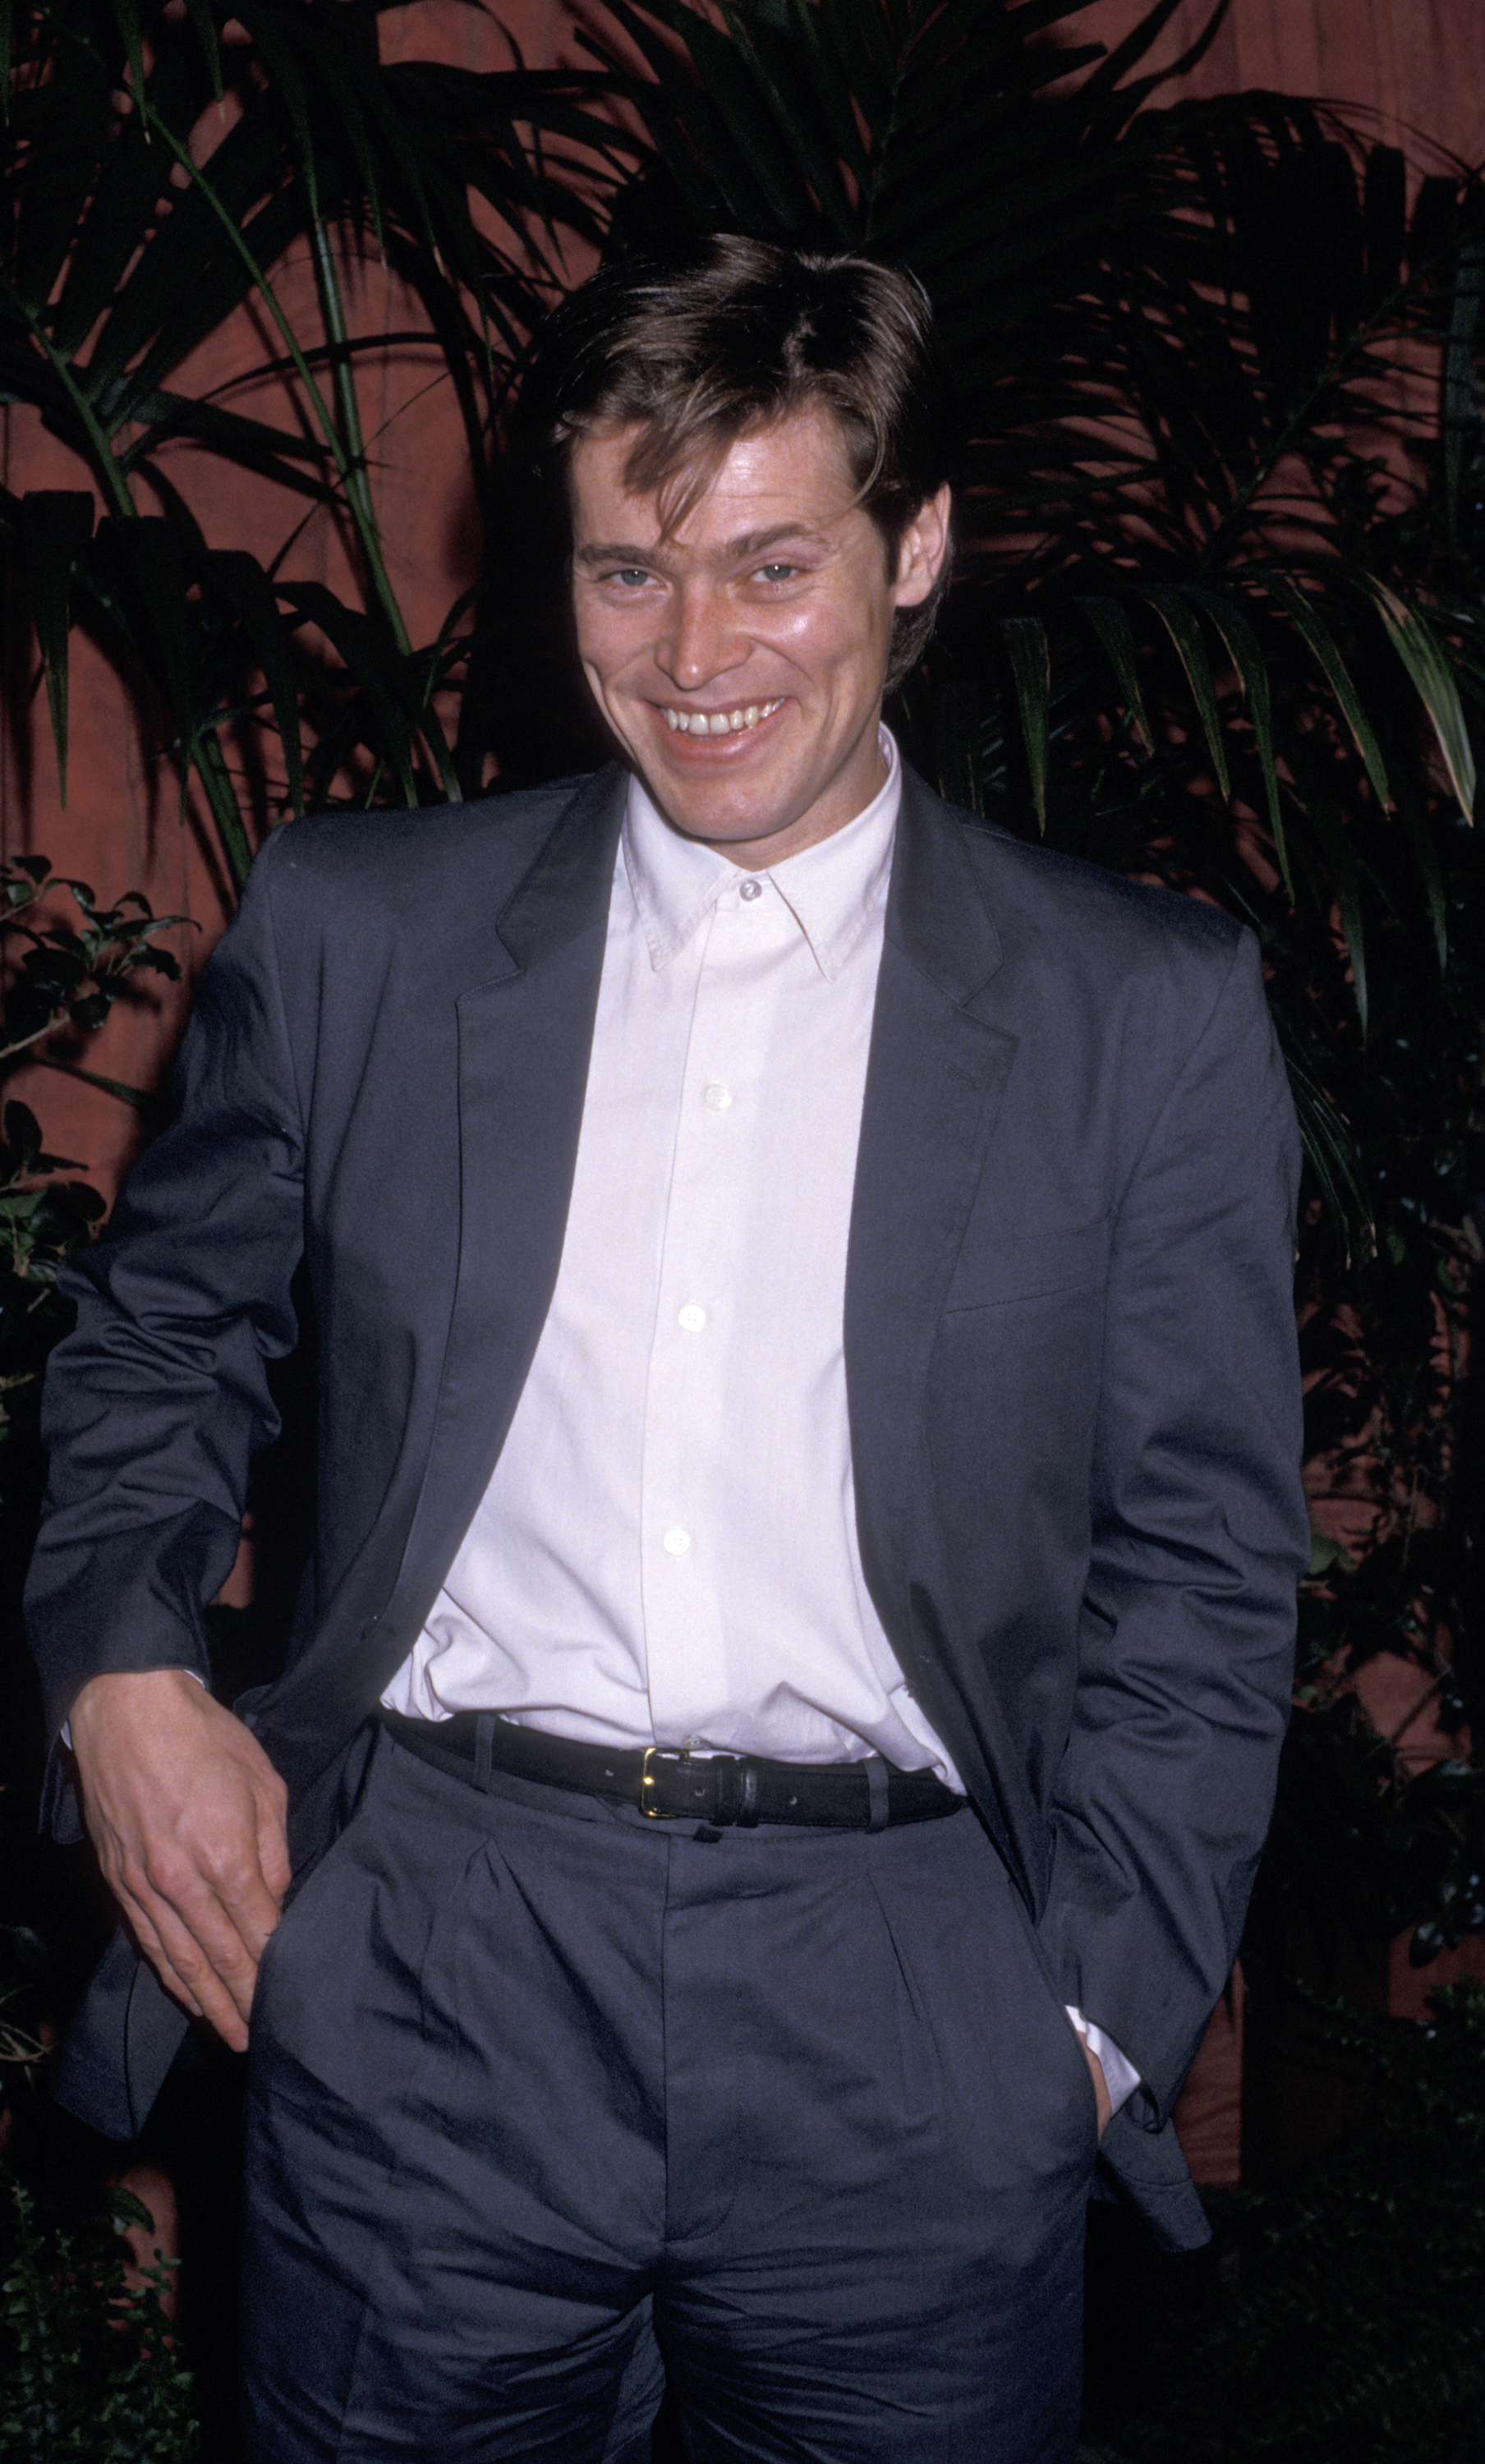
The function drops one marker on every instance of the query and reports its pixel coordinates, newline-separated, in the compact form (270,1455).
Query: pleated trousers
(552,2105)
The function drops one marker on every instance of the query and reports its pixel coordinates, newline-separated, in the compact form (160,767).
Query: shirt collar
(833,890)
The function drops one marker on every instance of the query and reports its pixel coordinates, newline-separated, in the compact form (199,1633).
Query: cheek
(609,639)
(824,642)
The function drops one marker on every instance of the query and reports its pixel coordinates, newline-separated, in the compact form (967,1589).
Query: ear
(925,544)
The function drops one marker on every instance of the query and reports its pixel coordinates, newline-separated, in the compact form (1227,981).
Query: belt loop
(485,1747)
(877,1815)
(745,1817)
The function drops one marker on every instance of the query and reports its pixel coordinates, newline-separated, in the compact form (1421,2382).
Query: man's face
(740,659)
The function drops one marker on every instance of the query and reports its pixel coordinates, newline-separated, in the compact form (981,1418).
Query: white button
(751,890)
(717,1099)
(675,1543)
(693,1318)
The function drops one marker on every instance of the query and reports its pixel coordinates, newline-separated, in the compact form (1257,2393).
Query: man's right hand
(186,1814)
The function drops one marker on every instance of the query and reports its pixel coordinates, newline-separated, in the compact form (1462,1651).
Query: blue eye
(777,572)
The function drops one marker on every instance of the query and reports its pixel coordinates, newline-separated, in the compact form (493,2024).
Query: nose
(700,639)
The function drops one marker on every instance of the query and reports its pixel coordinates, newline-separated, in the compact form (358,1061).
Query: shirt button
(675,1543)
(751,890)
(717,1099)
(693,1318)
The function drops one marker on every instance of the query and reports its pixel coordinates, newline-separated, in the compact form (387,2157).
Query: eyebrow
(748,543)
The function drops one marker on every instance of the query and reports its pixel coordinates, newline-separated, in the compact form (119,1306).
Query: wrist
(121,1689)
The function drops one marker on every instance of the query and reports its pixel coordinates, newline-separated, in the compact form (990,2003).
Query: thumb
(273,1849)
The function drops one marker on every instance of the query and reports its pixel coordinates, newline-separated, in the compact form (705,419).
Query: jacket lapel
(938,1069)
(524,1035)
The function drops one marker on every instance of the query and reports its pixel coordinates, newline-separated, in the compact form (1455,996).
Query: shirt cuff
(1119,2074)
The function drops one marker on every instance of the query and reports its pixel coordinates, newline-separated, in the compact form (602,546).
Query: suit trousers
(552,2105)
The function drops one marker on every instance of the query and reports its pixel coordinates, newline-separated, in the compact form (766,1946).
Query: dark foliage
(1342,2316)
(88,2372)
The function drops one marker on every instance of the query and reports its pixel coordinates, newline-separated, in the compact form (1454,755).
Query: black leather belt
(674,1785)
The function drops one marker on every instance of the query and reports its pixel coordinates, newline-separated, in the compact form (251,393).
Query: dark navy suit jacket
(1070,1351)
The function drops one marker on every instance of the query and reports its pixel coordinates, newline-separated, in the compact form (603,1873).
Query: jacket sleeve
(1199,1537)
(156,1402)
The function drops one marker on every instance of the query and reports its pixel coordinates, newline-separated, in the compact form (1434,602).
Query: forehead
(793,470)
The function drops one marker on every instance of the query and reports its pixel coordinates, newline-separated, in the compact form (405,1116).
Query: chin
(735,814)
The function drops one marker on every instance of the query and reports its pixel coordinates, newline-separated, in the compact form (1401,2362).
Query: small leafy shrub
(56,976)
(88,2370)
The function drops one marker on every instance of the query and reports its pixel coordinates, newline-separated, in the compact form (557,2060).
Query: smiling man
(783,1713)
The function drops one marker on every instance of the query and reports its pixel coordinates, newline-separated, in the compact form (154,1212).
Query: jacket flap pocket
(997,1265)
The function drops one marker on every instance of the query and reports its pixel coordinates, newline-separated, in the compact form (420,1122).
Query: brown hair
(739,334)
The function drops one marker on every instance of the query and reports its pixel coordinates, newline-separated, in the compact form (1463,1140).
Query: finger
(273,1854)
(1103,2102)
(234,1907)
(207,1911)
(209,2000)
(173,1942)
(202,1944)
(216,1883)
(186,1974)
(149,1946)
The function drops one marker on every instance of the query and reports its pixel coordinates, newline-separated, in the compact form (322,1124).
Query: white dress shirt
(666,1549)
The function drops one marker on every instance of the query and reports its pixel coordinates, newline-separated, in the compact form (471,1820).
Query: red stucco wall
(1418,64)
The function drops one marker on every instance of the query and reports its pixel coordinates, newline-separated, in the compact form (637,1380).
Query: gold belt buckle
(648,1784)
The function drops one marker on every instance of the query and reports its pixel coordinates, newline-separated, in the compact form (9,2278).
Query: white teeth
(717,722)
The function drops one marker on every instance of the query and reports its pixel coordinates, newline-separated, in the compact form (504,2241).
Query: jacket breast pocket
(999,1265)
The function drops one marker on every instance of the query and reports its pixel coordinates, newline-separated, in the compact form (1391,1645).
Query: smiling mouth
(718,722)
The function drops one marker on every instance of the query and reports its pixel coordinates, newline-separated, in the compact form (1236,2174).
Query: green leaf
(1326,1552)
(833,88)
(124,212)
(1030,666)
(251,444)
(205,24)
(388,677)
(54,526)
(1345,879)
(815,159)
(1110,622)
(202,750)
(49,194)
(146,553)
(1321,642)
(249,593)
(204,256)
(1182,626)
(1416,644)
(1137,43)
(1247,657)
(1331,1152)
(126,18)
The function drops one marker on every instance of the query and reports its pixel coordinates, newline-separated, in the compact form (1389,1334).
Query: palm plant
(1216,619)
(164,172)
